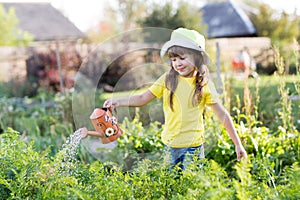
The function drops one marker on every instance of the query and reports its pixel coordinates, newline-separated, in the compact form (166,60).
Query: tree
(282,28)
(122,16)
(130,11)
(129,14)
(167,16)
(10,35)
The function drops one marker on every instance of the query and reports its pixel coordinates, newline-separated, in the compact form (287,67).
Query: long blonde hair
(201,78)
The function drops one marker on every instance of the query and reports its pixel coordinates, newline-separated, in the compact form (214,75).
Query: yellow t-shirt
(184,125)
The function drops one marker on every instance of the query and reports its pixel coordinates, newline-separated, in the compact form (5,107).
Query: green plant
(289,187)
(25,173)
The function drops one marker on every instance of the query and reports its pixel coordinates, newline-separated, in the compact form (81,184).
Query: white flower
(114,120)
(109,132)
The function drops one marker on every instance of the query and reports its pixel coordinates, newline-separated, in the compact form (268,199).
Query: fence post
(219,80)
(59,67)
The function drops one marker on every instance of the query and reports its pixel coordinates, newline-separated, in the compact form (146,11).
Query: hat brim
(185,44)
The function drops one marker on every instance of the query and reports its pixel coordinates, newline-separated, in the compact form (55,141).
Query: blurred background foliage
(280,26)
(120,15)
(10,35)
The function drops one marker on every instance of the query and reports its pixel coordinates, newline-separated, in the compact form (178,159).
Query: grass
(269,95)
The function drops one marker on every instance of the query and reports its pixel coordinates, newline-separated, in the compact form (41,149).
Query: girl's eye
(176,58)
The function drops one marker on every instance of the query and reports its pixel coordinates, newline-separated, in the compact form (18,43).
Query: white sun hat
(186,38)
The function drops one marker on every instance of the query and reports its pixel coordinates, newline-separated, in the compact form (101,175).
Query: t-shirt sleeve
(158,86)
(211,94)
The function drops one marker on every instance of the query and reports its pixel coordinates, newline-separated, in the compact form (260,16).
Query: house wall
(12,63)
(230,46)
(13,59)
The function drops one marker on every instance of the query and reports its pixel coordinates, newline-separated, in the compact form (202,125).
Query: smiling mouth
(180,69)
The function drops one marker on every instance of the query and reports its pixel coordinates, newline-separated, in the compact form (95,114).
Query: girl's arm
(135,100)
(227,122)
(132,101)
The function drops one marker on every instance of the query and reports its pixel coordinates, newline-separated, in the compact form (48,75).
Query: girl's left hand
(240,153)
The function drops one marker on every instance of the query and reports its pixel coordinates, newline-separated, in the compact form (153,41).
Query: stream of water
(66,159)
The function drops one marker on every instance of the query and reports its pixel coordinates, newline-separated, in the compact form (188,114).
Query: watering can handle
(113,110)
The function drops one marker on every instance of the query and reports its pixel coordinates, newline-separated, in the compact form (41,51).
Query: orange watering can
(106,124)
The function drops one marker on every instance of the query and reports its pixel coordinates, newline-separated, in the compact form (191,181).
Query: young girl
(186,90)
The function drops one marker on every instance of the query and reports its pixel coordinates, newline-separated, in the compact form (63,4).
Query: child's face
(184,64)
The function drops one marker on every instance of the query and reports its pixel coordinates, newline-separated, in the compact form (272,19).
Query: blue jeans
(184,156)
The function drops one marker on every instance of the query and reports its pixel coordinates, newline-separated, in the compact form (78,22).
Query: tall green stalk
(285,106)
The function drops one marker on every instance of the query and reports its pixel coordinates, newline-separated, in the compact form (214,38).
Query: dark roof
(225,19)
(44,22)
